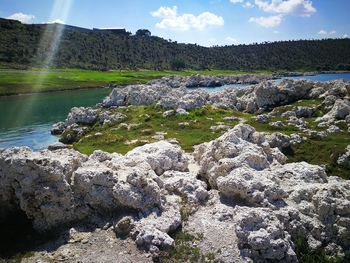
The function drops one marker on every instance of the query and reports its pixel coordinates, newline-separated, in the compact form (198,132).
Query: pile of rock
(257,202)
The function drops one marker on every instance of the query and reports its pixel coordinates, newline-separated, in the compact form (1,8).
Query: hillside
(23,45)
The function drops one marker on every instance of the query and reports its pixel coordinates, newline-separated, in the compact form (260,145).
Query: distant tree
(143,33)
(177,64)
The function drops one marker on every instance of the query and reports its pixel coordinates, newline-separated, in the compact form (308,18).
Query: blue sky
(205,22)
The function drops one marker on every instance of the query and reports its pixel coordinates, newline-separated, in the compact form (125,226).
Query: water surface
(26,120)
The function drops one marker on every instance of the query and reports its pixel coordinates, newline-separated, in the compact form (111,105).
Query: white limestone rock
(345,158)
(339,111)
(161,156)
(38,183)
(254,187)
(262,237)
(81,115)
(184,184)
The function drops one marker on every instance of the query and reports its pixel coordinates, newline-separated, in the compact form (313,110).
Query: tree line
(32,45)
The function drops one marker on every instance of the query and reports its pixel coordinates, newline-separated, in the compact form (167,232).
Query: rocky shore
(236,194)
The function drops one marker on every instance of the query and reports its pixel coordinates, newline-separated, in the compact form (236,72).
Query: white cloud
(58,21)
(345,36)
(267,21)
(276,32)
(24,18)
(295,7)
(248,5)
(165,12)
(171,20)
(324,32)
(236,1)
(231,40)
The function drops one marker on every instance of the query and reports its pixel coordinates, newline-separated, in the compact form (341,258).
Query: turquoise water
(26,120)
(320,77)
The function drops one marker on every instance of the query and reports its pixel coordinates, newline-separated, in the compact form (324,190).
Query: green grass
(14,81)
(185,251)
(150,120)
(322,152)
(265,127)
(305,255)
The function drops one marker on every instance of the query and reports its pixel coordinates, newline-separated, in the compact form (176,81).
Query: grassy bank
(13,81)
(144,122)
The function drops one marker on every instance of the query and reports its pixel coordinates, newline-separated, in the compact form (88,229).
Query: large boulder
(262,237)
(339,111)
(161,156)
(81,115)
(38,183)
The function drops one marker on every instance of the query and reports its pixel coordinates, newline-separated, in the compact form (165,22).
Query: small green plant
(306,255)
(185,250)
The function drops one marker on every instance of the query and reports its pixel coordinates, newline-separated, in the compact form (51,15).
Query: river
(26,120)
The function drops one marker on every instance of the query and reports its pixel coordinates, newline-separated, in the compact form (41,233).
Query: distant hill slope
(29,45)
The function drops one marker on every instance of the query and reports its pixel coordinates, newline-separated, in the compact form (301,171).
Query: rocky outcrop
(263,96)
(298,196)
(38,183)
(256,207)
(196,81)
(262,237)
(344,159)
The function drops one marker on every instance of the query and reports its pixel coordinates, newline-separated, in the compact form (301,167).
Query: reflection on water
(26,120)
(36,137)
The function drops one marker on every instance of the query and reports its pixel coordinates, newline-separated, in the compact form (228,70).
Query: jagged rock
(180,111)
(282,141)
(152,228)
(81,115)
(276,124)
(333,129)
(168,113)
(38,183)
(262,118)
(161,156)
(305,112)
(288,114)
(186,185)
(339,111)
(345,158)
(57,146)
(116,183)
(58,128)
(220,127)
(152,239)
(262,237)
(252,186)
(124,226)
(239,147)
(106,117)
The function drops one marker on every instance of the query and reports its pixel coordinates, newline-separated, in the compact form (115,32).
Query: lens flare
(47,48)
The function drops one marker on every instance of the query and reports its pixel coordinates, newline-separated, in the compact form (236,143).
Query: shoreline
(111,85)
(53,91)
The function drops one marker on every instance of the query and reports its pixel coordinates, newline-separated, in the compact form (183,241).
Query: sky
(204,22)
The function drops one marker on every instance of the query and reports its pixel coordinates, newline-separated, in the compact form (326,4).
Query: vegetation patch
(322,152)
(185,250)
(43,80)
(306,255)
(145,123)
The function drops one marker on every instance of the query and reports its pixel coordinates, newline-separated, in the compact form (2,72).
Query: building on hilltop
(116,31)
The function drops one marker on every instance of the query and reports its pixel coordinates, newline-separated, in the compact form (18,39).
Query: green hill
(23,45)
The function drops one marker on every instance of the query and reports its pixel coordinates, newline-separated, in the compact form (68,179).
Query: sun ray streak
(47,49)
